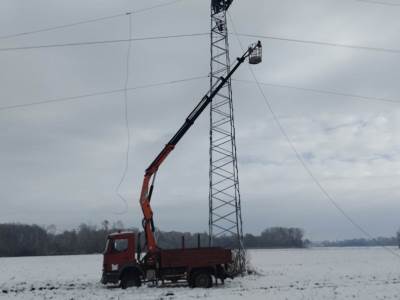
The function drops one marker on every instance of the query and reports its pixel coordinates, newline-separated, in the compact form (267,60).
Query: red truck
(195,265)
(122,263)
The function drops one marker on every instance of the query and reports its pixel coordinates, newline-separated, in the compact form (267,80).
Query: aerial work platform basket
(255,57)
(220,5)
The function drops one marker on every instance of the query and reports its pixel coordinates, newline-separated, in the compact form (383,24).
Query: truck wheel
(129,280)
(202,280)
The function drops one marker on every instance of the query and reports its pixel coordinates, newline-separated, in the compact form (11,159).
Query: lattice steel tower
(225,217)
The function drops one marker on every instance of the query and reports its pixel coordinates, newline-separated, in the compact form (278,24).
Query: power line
(87,21)
(89,95)
(301,160)
(155,6)
(62,99)
(61,26)
(126,115)
(131,12)
(90,43)
(379,2)
(115,91)
(319,43)
(320,91)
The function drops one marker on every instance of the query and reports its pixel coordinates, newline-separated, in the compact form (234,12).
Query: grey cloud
(60,163)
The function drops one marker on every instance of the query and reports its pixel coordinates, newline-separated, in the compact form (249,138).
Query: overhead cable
(89,95)
(321,91)
(25,33)
(87,21)
(90,43)
(320,43)
(126,115)
(115,91)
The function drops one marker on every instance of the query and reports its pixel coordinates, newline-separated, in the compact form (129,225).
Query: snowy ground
(319,273)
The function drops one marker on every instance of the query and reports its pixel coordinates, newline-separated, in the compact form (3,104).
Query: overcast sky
(60,163)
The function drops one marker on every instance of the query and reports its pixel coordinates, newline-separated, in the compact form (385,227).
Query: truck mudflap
(110,277)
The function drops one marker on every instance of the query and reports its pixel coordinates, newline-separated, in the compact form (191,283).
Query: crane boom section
(147,187)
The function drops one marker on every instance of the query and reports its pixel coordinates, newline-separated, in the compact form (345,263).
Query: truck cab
(119,259)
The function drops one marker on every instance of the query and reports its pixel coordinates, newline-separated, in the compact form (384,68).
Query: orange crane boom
(254,54)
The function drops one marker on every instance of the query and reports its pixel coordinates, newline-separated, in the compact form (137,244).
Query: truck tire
(130,279)
(201,279)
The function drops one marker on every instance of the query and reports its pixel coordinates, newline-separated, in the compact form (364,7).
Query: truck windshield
(120,245)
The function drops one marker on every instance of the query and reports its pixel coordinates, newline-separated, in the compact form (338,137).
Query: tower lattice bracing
(224,197)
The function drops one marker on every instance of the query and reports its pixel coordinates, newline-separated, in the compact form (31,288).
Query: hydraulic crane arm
(147,188)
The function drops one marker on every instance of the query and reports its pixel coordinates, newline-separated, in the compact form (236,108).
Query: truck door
(118,253)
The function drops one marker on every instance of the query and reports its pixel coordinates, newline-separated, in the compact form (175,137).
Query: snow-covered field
(319,273)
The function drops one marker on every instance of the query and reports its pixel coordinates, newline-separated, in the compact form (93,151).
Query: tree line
(33,240)
(379,241)
(275,237)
